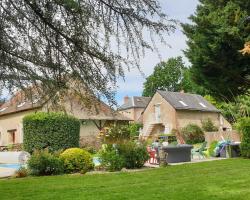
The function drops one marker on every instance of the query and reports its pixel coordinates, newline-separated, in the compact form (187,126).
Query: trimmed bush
(43,163)
(208,125)
(54,131)
(243,126)
(77,160)
(135,155)
(110,159)
(193,134)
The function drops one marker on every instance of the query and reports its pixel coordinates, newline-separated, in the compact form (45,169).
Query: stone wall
(217,136)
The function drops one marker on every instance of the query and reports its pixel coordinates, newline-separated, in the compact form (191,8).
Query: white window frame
(21,104)
(183,103)
(3,109)
(203,105)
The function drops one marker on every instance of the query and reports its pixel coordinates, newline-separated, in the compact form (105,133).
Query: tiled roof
(19,103)
(135,102)
(98,111)
(186,101)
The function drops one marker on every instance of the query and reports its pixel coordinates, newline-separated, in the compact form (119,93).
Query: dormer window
(3,109)
(203,105)
(183,103)
(21,104)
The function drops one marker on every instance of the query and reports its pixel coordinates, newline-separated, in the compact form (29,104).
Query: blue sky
(176,9)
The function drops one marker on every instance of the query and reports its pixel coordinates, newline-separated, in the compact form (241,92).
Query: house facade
(93,118)
(133,107)
(168,111)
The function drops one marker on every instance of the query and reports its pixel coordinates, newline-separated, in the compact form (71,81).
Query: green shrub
(135,155)
(110,159)
(45,163)
(212,147)
(134,129)
(243,126)
(127,155)
(53,131)
(115,134)
(208,125)
(192,134)
(77,160)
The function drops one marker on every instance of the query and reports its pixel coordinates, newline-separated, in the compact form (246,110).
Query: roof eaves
(22,110)
(129,107)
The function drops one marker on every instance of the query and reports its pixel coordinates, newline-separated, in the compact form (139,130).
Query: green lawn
(225,179)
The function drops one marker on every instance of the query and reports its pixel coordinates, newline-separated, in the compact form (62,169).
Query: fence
(218,136)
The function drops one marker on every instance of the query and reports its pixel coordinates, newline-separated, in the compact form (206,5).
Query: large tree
(188,84)
(52,42)
(218,30)
(166,76)
(171,75)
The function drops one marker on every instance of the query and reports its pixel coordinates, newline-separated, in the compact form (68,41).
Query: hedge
(54,131)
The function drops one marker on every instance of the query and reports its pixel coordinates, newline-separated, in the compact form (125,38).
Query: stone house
(93,117)
(168,111)
(133,107)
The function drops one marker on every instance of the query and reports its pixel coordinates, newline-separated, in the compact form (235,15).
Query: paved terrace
(196,160)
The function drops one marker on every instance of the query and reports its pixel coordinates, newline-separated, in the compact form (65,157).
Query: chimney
(126,99)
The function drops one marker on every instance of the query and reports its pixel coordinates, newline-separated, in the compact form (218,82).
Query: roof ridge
(192,101)
(185,93)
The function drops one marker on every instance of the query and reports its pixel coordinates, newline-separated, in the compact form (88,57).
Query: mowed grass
(224,179)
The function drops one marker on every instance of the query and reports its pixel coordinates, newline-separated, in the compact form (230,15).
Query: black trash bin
(234,149)
(178,153)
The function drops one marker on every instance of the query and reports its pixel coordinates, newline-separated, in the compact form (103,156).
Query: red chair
(152,154)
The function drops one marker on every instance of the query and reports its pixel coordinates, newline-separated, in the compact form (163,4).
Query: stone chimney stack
(126,99)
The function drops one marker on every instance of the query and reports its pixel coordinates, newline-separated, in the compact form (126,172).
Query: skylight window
(3,109)
(20,105)
(203,105)
(183,103)
(35,101)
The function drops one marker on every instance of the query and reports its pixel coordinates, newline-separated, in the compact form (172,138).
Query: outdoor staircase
(150,129)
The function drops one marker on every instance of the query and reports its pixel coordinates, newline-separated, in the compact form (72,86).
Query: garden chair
(152,156)
(199,151)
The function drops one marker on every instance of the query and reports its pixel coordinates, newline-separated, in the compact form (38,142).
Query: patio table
(178,153)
